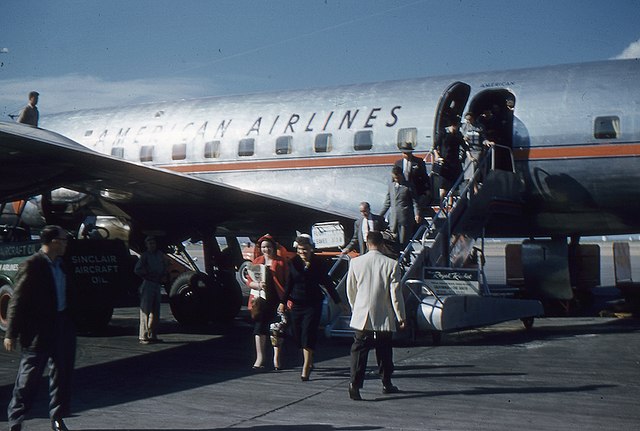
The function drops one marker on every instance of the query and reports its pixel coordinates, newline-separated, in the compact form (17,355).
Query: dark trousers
(61,359)
(363,342)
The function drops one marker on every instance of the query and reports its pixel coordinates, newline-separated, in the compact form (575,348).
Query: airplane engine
(27,213)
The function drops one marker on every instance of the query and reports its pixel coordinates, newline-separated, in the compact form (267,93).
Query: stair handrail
(335,264)
(425,229)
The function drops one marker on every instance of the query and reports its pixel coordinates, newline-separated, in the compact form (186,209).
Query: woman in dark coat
(307,273)
(447,151)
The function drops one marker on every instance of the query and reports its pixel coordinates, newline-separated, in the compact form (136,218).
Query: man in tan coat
(375,296)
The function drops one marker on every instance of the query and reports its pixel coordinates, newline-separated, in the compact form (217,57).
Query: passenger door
(451,105)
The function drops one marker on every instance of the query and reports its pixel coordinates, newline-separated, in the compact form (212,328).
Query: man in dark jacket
(403,207)
(415,173)
(39,316)
(367,223)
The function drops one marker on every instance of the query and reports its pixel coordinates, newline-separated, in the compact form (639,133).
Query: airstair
(443,269)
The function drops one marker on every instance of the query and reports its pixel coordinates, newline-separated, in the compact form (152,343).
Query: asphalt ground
(579,373)
(565,373)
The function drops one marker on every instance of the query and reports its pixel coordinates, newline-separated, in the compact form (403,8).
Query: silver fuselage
(576,183)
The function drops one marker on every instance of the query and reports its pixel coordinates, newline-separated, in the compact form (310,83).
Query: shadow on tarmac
(515,334)
(308,427)
(491,391)
(150,373)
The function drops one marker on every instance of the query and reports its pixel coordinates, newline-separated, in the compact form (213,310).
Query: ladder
(447,241)
(443,272)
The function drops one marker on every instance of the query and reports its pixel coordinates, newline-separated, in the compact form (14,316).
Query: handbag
(258,307)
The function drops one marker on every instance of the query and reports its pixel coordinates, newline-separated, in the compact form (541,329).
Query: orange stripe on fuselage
(519,154)
(577,152)
(318,162)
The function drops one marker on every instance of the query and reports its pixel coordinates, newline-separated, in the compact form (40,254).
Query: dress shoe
(58,425)
(354,393)
(390,389)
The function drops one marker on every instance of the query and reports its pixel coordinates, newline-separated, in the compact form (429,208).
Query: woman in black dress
(307,273)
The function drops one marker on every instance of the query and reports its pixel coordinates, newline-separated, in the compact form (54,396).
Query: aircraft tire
(189,296)
(6,292)
(241,277)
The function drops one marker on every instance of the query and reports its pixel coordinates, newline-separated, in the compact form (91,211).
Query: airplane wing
(34,161)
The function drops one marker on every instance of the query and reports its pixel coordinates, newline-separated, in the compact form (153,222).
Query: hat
(266,237)
(406,147)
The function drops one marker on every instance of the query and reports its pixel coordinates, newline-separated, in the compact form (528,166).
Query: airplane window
(409,134)
(117,152)
(246,147)
(179,152)
(146,153)
(283,144)
(322,143)
(363,140)
(212,149)
(606,127)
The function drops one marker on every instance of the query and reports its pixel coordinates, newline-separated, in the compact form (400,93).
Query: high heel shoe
(305,378)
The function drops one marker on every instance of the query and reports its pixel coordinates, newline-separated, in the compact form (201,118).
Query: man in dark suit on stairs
(361,228)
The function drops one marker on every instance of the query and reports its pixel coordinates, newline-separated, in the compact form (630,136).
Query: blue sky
(84,53)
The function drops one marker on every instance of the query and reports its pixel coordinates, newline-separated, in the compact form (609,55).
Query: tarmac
(565,373)
(577,373)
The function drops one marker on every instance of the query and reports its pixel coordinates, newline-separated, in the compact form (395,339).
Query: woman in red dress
(272,290)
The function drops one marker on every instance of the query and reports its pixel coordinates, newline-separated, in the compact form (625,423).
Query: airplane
(279,162)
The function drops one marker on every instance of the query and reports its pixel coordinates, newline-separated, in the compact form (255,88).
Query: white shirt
(367,226)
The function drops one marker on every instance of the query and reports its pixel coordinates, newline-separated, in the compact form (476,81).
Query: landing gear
(196,298)
(242,276)
(188,295)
